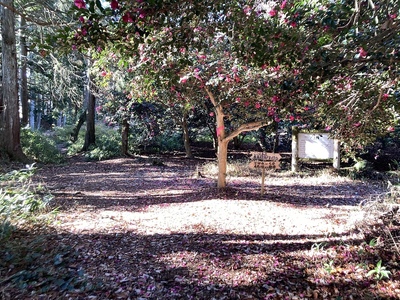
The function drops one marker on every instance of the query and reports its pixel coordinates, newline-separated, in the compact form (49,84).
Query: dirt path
(128,229)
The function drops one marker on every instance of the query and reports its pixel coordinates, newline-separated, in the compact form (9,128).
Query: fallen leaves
(129,230)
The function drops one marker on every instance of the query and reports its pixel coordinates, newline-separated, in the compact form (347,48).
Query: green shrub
(19,199)
(108,144)
(40,147)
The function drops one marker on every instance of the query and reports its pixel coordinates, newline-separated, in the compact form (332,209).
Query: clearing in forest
(132,229)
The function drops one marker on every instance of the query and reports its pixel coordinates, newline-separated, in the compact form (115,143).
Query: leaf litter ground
(129,229)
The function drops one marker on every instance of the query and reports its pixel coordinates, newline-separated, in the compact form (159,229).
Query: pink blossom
(127,18)
(283,4)
(272,13)
(103,73)
(237,78)
(238,100)
(98,109)
(276,69)
(291,118)
(306,108)
(114,4)
(247,103)
(393,16)
(275,98)
(81,19)
(220,130)
(293,24)
(277,119)
(385,96)
(182,50)
(329,102)
(328,128)
(259,92)
(211,114)
(183,80)
(80,4)
(142,14)
(390,129)
(362,52)
(358,124)
(84,31)
(73,47)
(258,105)
(99,49)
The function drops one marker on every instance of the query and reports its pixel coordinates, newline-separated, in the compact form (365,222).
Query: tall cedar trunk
(186,140)
(9,118)
(23,75)
(125,137)
(90,137)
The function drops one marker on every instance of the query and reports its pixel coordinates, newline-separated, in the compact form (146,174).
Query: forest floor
(153,229)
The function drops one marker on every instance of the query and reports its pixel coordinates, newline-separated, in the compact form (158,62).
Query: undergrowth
(40,147)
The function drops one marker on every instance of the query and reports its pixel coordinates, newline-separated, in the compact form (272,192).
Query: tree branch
(246,127)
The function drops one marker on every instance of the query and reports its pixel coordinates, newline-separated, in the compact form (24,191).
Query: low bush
(19,199)
(40,147)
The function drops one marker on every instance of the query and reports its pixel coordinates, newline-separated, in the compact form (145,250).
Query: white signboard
(315,146)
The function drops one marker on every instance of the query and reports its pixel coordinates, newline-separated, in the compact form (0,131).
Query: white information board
(315,146)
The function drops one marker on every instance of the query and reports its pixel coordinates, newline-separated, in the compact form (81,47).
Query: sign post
(263,160)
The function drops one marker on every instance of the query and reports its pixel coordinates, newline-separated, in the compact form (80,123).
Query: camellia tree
(325,63)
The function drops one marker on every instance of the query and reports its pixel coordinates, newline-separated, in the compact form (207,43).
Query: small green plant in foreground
(380,271)
(19,199)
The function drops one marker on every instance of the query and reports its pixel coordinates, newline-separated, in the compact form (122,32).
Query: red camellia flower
(114,4)
(362,52)
(127,18)
(220,130)
(80,4)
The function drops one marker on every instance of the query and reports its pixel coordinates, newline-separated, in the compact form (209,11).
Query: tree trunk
(9,118)
(90,137)
(24,78)
(186,140)
(125,137)
(276,137)
(222,163)
(77,128)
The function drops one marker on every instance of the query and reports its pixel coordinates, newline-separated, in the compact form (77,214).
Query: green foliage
(380,272)
(108,144)
(18,199)
(40,146)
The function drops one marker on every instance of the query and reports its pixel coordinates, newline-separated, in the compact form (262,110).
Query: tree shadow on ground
(137,184)
(126,265)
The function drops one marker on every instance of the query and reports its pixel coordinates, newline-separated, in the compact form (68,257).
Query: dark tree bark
(125,138)
(186,139)
(9,117)
(77,128)
(23,75)
(90,137)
